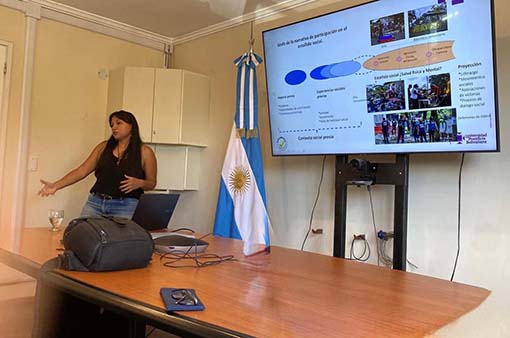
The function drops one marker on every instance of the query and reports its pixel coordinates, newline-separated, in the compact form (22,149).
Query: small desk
(288,293)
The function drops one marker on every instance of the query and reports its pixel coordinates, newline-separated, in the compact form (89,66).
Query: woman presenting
(124,167)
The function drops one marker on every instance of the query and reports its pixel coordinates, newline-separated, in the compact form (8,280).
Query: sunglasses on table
(184,297)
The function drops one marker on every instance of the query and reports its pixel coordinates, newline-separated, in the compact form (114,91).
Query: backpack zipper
(104,240)
(100,231)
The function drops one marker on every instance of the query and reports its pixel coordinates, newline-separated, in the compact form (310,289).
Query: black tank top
(109,176)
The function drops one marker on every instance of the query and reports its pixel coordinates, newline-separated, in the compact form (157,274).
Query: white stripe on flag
(254,59)
(251,98)
(249,211)
(241,96)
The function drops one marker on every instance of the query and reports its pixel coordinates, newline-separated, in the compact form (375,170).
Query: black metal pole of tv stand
(387,173)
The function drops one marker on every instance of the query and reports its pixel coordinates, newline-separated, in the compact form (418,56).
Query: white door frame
(4,111)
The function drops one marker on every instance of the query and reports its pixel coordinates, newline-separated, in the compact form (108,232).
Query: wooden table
(287,293)
(37,246)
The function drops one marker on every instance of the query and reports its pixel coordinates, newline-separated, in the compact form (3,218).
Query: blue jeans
(122,207)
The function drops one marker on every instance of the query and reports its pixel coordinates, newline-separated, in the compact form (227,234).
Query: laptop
(154,211)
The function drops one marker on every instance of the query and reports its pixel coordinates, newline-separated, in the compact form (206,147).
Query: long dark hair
(132,157)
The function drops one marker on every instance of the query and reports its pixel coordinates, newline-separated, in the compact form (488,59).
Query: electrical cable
(411,263)
(373,222)
(183,229)
(458,216)
(386,260)
(199,260)
(366,247)
(381,249)
(314,204)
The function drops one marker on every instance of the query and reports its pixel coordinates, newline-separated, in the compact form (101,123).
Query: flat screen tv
(385,77)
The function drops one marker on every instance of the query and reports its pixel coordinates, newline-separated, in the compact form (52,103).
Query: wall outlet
(33,164)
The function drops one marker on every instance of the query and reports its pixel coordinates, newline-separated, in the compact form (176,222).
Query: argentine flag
(241,210)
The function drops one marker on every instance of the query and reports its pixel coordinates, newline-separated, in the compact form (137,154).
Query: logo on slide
(282,143)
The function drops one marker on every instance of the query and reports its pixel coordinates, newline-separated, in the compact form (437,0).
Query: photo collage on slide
(414,109)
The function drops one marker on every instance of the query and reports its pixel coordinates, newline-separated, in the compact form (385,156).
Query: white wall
(291,184)
(484,259)
(69,116)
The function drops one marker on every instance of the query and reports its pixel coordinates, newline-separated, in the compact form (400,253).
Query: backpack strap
(69,261)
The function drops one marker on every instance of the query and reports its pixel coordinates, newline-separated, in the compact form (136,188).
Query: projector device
(179,244)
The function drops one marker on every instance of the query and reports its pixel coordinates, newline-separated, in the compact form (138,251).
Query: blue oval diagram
(317,73)
(344,68)
(295,77)
(335,70)
(326,72)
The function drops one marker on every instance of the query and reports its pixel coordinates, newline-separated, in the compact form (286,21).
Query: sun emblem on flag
(239,180)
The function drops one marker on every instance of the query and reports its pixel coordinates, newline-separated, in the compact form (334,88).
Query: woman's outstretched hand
(48,189)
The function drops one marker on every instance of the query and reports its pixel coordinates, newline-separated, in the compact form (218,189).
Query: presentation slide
(385,77)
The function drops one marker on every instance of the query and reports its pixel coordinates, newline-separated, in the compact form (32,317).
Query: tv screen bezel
(496,101)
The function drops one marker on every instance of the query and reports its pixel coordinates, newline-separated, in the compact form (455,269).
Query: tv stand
(395,174)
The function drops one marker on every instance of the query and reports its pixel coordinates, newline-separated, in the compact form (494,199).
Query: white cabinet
(171,105)
(181,107)
(172,110)
(132,89)
(178,167)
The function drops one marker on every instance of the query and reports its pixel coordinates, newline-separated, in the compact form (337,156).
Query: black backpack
(102,243)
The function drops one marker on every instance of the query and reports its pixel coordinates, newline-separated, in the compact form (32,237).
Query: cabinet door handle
(153,132)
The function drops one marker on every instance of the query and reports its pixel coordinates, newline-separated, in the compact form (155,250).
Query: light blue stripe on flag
(225,215)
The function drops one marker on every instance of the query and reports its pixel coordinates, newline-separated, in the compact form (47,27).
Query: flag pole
(252,40)
(241,209)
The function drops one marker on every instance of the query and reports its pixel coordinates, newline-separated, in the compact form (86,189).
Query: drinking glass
(56,217)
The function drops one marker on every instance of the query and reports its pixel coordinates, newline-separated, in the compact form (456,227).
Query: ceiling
(172,18)
(177,18)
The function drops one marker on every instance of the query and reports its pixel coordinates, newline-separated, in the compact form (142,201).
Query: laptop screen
(154,211)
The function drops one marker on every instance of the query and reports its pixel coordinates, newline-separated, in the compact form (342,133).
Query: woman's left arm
(150,167)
